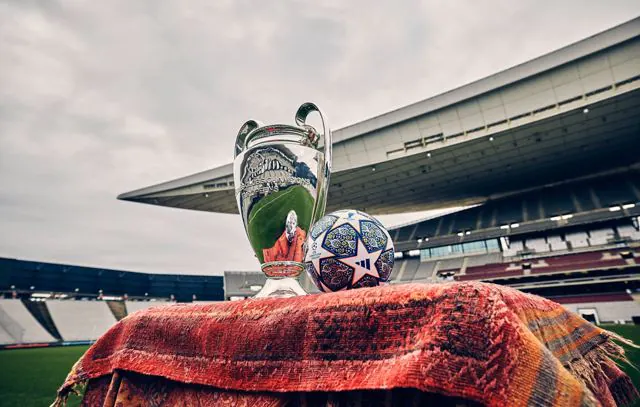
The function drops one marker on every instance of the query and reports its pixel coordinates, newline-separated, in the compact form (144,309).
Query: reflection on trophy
(281,180)
(288,247)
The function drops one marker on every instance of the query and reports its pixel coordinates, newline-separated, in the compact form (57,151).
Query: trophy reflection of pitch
(281,180)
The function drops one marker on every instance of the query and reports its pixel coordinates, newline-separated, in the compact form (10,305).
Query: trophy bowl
(281,178)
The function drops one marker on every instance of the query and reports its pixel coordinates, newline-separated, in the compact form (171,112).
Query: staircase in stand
(40,312)
(118,309)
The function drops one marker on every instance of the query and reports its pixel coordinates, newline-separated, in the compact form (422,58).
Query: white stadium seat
(556,243)
(600,237)
(538,245)
(578,239)
(515,246)
(19,326)
(81,320)
(628,231)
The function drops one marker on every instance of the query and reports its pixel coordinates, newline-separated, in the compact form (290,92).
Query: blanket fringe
(76,389)
(598,369)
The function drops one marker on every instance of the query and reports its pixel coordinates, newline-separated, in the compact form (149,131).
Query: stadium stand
(537,245)
(80,320)
(87,282)
(628,232)
(17,322)
(556,243)
(601,237)
(583,202)
(578,239)
(425,271)
(133,306)
(40,312)
(408,270)
(515,247)
(118,309)
(5,337)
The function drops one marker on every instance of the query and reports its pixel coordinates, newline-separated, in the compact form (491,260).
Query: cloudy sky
(102,97)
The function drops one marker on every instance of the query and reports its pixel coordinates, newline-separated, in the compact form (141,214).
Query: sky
(99,98)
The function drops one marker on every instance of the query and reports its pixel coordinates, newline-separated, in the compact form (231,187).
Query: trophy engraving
(281,179)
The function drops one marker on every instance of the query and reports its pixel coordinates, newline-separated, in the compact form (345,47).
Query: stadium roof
(571,113)
(35,276)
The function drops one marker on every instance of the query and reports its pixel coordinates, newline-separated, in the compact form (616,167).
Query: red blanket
(481,342)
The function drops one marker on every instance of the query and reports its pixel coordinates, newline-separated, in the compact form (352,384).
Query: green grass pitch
(267,218)
(30,377)
(633,354)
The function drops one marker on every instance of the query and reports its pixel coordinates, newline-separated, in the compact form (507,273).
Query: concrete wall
(609,311)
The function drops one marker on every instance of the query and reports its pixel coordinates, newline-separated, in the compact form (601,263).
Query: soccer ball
(348,249)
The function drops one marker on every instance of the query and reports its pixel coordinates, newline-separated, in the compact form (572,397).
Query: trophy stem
(281,279)
(280,287)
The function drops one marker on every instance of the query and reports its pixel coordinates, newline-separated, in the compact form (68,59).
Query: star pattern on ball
(363,262)
(321,254)
(350,220)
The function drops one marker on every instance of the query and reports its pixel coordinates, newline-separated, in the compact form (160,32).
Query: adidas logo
(364,264)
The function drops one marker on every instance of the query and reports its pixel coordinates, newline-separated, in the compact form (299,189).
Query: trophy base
(281,288)
(281,279)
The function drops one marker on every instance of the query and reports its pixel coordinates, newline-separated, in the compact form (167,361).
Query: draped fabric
(132,389)
(480,342)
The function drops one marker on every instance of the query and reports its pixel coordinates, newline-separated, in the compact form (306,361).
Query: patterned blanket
(479,342)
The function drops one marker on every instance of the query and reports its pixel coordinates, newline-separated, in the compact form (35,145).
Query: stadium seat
(600,237)
(628,231)
(17,322)
(578,239)
(556,243)
(539,245)
(515,246)
(81,320)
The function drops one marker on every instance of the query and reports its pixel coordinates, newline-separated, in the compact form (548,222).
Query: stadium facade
(544,155)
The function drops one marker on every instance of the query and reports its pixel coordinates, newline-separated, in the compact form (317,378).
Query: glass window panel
(493,245)
(440,251)
(474,247)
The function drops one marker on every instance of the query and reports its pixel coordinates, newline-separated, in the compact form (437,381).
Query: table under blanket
(394,345)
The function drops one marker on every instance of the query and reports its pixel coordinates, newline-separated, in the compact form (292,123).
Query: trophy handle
(325,173)
(244,131)
(301,117)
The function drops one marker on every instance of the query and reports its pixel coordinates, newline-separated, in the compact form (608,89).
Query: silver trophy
(281,180)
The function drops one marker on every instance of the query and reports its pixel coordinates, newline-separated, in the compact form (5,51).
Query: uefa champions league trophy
(281,180)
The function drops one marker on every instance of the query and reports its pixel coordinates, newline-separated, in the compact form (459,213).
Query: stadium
(541,163)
